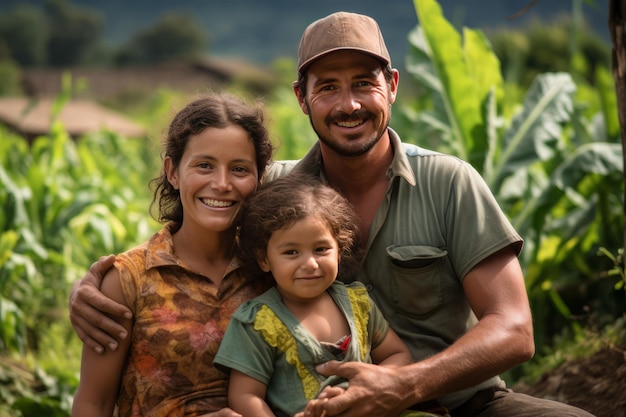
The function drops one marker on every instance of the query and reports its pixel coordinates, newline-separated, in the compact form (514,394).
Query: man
(441,257)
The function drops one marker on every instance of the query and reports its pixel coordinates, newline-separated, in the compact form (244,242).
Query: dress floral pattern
(179,321)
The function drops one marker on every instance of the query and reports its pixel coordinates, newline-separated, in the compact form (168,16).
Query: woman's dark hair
(283,202)
(216,110)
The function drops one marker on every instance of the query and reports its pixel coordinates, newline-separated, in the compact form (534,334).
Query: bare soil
(596,383)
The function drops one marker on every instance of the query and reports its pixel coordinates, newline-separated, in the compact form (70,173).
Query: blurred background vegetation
(533,108)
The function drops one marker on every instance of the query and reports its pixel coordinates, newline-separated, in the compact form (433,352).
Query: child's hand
(224,412)
(315,408)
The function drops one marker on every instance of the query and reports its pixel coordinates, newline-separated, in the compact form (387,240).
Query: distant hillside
(263,30)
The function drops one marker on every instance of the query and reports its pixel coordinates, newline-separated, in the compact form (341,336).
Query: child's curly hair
(284,201)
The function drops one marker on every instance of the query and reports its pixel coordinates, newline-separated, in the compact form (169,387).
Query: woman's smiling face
(217,172)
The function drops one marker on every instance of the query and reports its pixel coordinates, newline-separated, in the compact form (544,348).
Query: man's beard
(348,151)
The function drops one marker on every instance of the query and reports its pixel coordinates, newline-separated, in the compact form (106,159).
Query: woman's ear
(171,172)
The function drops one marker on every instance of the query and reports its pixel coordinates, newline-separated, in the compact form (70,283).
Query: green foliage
(289,127)
(457,77)
(556,173)
(174,36)
(607,102)
(564,45)
(617,269)
(66,203)
(57,34)
(73,31)
(24,31)
(60,34)
(9,78)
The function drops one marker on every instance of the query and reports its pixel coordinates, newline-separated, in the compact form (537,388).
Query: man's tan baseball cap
(341,31)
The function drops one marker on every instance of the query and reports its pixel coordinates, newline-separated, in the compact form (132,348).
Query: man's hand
(90,310)
(372,391)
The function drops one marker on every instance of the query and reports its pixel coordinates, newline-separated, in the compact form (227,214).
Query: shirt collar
(400,166)
(160,252)
(160,249)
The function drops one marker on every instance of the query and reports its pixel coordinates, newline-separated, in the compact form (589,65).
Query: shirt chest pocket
(416,278)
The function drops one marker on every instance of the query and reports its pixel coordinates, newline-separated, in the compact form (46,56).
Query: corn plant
(66,202)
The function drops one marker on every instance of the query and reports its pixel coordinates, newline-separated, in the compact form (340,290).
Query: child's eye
(322,249)
(290,252)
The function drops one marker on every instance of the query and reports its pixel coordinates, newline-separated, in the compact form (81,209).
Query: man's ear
(394,85)
(301,99)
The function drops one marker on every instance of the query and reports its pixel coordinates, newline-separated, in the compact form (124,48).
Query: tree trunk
(617,27)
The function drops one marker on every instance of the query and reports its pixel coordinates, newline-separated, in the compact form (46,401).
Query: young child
(301,232)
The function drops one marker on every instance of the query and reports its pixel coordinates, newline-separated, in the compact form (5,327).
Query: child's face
(303,259)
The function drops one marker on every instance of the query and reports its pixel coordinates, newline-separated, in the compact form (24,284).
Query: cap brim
(303,67)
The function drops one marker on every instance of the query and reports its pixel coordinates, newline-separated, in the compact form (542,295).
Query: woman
(184,283)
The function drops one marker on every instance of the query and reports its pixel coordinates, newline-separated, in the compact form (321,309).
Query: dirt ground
(596,383)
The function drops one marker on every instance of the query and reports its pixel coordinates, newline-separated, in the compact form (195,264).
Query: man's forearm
(480,354)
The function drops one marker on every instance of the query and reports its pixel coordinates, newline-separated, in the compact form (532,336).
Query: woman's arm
(246,395)
(100,374)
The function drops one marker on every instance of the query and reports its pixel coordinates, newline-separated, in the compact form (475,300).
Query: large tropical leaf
(598,158)
(461,72)
(535,132)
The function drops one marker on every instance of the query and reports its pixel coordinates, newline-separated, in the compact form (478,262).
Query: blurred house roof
(194,76)
(32,117)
